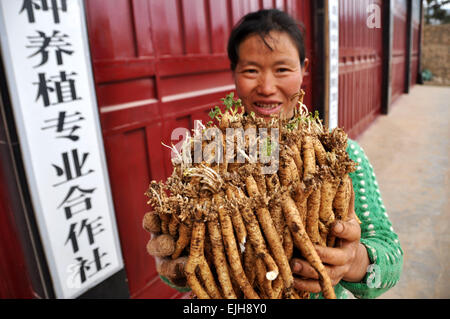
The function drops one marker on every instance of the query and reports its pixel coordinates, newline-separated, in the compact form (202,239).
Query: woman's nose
(267,84)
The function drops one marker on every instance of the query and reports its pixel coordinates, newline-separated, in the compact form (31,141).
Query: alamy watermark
(374,276)
(373,21)
(73,280)
(237,145)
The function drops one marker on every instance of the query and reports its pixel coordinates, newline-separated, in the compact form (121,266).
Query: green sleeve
(377,233)
(172,285)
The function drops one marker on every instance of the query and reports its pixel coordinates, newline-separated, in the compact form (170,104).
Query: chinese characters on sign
(44,48)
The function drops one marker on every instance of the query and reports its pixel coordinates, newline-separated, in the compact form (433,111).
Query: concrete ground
(409,150)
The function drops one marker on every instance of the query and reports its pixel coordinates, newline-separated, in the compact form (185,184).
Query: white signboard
(46,57)
(333,32)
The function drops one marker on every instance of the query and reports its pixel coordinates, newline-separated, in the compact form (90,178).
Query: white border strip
(118,107)
(180,96)
(333,63)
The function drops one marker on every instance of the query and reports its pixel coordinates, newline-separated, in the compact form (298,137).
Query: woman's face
(267,80)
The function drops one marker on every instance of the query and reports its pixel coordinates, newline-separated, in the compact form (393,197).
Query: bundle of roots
(239,227)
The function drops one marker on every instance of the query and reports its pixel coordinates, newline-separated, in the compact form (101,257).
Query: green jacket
(377,234)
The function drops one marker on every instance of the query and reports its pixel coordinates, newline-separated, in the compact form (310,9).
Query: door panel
(399,49)
(360,66)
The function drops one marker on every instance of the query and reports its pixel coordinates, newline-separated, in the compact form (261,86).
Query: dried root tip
(173,226)
(326,214)
(277,288)
(309,161)
(198,261)
(183,240)
(271,275)
(255,235)
(236,218)
(220,261)
(306,247)
(288,244)
(230,247)
(300,295)
(296,156)
(323,233)
(270,232)
(340,204)
(249,263)
(319,150)
(312,217)
(242,247)
(165,220)
(173,270)
(265,285)
(161,246)
(225,121)
(156,194)
(151,223)
(342,199)
(294,295)
(284,171)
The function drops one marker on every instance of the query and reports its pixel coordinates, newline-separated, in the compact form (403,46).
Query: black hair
(262,22)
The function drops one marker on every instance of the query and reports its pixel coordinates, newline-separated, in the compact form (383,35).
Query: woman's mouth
(267,108)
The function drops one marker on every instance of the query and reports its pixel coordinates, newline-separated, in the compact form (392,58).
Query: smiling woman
(268,62)
(267,55)
(268,79)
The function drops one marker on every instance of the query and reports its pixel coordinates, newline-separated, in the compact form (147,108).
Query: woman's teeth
(266,106)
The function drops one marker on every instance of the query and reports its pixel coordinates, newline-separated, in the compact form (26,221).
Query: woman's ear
(305,65)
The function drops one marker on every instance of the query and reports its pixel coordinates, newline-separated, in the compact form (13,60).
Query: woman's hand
(347,261)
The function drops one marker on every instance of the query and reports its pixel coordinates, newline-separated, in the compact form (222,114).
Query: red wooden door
(158,65)
(399,49)
(360,65)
